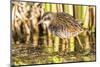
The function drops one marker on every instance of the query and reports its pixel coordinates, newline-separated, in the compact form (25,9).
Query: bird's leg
(65,46)
(79,41)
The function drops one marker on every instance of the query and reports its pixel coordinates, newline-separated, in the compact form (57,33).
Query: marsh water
(26,54)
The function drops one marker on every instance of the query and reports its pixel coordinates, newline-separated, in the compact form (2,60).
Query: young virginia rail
(61,24)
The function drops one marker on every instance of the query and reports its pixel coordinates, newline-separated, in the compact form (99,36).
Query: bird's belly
(64,35)
(61,34)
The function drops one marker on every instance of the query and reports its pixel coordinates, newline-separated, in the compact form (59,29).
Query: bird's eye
(47,18)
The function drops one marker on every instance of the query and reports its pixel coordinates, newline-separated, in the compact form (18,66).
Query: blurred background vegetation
(32,44)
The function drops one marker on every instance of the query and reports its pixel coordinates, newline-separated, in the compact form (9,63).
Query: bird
(61,24)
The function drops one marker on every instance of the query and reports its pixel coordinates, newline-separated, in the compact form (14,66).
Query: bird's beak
(39,22)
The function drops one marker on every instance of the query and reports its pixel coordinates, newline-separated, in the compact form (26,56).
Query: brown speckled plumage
(61,24)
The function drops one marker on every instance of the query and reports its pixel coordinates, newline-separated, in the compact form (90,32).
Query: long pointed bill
(39,22)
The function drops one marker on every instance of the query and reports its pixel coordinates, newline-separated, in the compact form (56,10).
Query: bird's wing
(68,21)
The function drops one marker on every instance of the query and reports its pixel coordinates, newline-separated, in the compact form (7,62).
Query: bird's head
(47,18)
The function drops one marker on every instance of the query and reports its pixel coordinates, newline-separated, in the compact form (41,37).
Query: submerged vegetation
(35,44)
